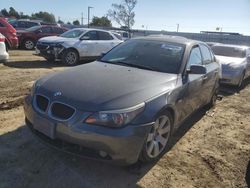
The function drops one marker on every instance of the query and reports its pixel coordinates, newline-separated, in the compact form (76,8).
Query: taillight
(2,39)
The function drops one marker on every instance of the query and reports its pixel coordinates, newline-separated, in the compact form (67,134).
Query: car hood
(100,86)
(56,39)
(224,60)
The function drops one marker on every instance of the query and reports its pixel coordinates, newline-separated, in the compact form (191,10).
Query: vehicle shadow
(29,163)
(37,64)
(227,90)
(247,178)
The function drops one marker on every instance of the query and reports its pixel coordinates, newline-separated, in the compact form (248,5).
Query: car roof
(170,38)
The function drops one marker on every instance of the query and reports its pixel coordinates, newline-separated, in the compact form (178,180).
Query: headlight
(115,118)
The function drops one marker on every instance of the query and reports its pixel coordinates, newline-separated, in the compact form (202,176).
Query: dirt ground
(211,149)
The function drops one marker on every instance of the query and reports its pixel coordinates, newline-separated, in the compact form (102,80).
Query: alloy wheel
(71,58)
(158,137)
(29,44)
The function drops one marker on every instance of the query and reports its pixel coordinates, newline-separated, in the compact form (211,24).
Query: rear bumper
(121,146)
(231,77)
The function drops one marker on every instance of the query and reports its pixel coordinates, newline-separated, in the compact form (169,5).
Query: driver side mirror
(197,69)
(39,31)
(85,38)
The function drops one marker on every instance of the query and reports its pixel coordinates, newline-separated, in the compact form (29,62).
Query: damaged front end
(50,50)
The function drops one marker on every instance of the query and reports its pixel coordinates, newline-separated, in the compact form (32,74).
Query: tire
(28,44)
(155,146)
(213,99)
(50,60)
(70,57)
(241,80)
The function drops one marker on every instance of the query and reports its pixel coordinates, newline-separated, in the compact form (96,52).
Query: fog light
(103,154)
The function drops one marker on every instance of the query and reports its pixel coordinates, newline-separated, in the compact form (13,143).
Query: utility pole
(82,19)
(178,25)
(89,14)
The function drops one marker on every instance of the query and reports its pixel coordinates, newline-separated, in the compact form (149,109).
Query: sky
(191,15)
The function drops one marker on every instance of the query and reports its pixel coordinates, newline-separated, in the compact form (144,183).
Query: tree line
(123,14)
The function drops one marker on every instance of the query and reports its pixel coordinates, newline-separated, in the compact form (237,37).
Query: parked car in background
(127,105)
(77,44)
(235,63)
(4,56)
(212,43)
(124,34)
(29,37)
(23,24)
(11,40)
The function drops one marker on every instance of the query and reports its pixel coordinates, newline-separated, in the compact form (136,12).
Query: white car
(234,61)
(4,56)
(77,44)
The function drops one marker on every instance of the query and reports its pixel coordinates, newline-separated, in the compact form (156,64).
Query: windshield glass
(33,28)
(152,55)
(229,51)
(73,33)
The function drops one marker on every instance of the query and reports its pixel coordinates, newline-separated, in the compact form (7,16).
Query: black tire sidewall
(66,53)
(143,155)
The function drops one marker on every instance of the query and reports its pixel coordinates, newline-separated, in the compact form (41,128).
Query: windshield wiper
(131,65)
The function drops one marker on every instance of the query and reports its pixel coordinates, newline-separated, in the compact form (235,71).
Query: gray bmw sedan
(126,105)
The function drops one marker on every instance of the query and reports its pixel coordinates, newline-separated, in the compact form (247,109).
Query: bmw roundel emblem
(58,93)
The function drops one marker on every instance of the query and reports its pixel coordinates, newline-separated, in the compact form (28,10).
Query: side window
(46,30)
(31,24)
(21,24)
(104,36)
(207,58)
(57,30)
(195,57)
(92,35)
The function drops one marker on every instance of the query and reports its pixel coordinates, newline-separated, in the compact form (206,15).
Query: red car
(10,34)
(29,37)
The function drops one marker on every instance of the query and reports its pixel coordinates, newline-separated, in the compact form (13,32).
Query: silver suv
(77,44)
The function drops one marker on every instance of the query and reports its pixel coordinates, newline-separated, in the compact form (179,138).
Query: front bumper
(49,51)
(121,146)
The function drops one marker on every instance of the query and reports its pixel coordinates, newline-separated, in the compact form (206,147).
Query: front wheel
(158,138)
(70,57)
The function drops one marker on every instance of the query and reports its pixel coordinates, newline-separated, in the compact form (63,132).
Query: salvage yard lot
(211,149)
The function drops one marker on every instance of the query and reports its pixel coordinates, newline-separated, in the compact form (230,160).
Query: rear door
(106,41)
(211,78)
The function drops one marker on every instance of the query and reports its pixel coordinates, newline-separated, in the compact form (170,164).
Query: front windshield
(33,28)
(75,33)
(153,55)
(229,51)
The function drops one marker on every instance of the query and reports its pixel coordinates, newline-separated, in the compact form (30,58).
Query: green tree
(76,22)
(5,13)
(123,13)
(101,21)
(13,13)
(45,16)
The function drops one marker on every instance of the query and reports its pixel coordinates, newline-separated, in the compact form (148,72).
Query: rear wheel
(50,60)
(28,44)
(158,138)
(70,57)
